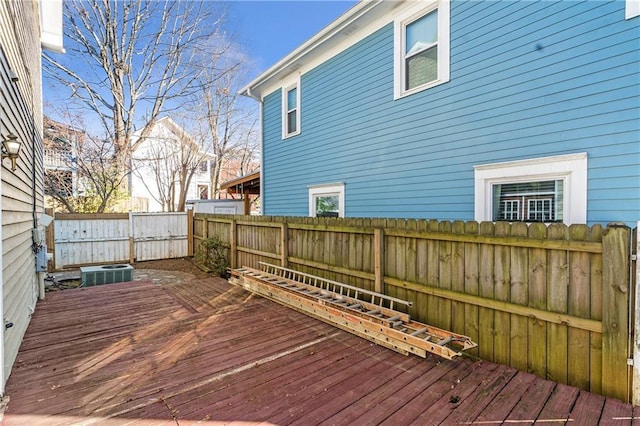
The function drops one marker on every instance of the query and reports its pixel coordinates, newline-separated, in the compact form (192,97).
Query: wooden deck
(205,351)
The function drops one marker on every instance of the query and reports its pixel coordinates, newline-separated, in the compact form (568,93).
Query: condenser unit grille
(106,274)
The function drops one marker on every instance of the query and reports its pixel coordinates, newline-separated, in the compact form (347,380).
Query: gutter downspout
(262,198)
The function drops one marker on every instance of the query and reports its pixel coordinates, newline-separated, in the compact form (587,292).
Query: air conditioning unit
(105,274)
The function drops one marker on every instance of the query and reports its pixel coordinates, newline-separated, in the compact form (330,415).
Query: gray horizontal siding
(19,37)
(528,79)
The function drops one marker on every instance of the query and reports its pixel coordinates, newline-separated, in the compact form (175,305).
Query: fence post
(50,238)
(378,259)
(636,340)
(205,228)
(233,243)
(132,244)
(190,232)
(615,310)
(284,245)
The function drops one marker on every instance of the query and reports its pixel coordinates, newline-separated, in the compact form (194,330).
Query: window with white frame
(547,189)
(291,110)
(421,46)
(326,200)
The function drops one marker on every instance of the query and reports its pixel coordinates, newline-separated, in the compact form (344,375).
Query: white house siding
(20,114)
(143,179)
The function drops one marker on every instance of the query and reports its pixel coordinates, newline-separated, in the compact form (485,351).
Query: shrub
(213,254)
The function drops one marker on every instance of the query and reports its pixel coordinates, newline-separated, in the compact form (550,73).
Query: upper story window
(421,45)
(421,51)
(291,110)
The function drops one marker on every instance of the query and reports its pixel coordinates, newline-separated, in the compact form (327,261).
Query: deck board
(616,413)
(587,409)
(529,408)
(500,407)
(204,350)
(468,409)
(560,403)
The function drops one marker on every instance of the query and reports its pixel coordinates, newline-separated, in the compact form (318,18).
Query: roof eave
(307,48)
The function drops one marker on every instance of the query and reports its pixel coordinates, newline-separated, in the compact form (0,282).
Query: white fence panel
(91,240)
(159,235)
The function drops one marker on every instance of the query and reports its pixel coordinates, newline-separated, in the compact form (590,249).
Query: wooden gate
(159,235)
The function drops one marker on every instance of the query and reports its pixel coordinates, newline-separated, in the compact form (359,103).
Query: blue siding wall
(528,79)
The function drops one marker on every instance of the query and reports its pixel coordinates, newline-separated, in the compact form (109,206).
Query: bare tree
(137,55)
(229,122)
(244,153)
(99,177)
(166,162)
(89,181)
(80,173)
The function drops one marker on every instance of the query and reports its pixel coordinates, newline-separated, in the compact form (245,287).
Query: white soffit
(51,27)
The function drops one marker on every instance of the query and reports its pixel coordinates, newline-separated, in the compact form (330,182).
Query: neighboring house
(24,30)
(60,165)
(159,164)
(461,110)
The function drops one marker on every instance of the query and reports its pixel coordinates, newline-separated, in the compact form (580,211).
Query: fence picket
(444,266)
(433,274)
(557,290)
(391,266)
(457,279)
(471,286)
(422,301)
(502,290)
(595,347)
(411,260)
(578,305)
(538,299)
(519,295)
(486,289)
(616,242)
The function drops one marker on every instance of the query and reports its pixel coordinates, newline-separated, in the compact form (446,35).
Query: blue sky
(266,30)
(269,30)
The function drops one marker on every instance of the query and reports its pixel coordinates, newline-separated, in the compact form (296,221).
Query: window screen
(528,201)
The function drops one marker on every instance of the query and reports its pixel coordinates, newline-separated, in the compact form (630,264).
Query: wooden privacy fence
(90,239)
(552,300)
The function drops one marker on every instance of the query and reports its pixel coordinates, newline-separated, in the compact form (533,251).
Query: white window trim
(285,90)
(416,11)
(572,169)
(326,189)
(632,9)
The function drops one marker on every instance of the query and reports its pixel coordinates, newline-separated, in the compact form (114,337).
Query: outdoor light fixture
(11,149)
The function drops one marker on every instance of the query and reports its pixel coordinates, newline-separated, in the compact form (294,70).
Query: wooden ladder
(362,312)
